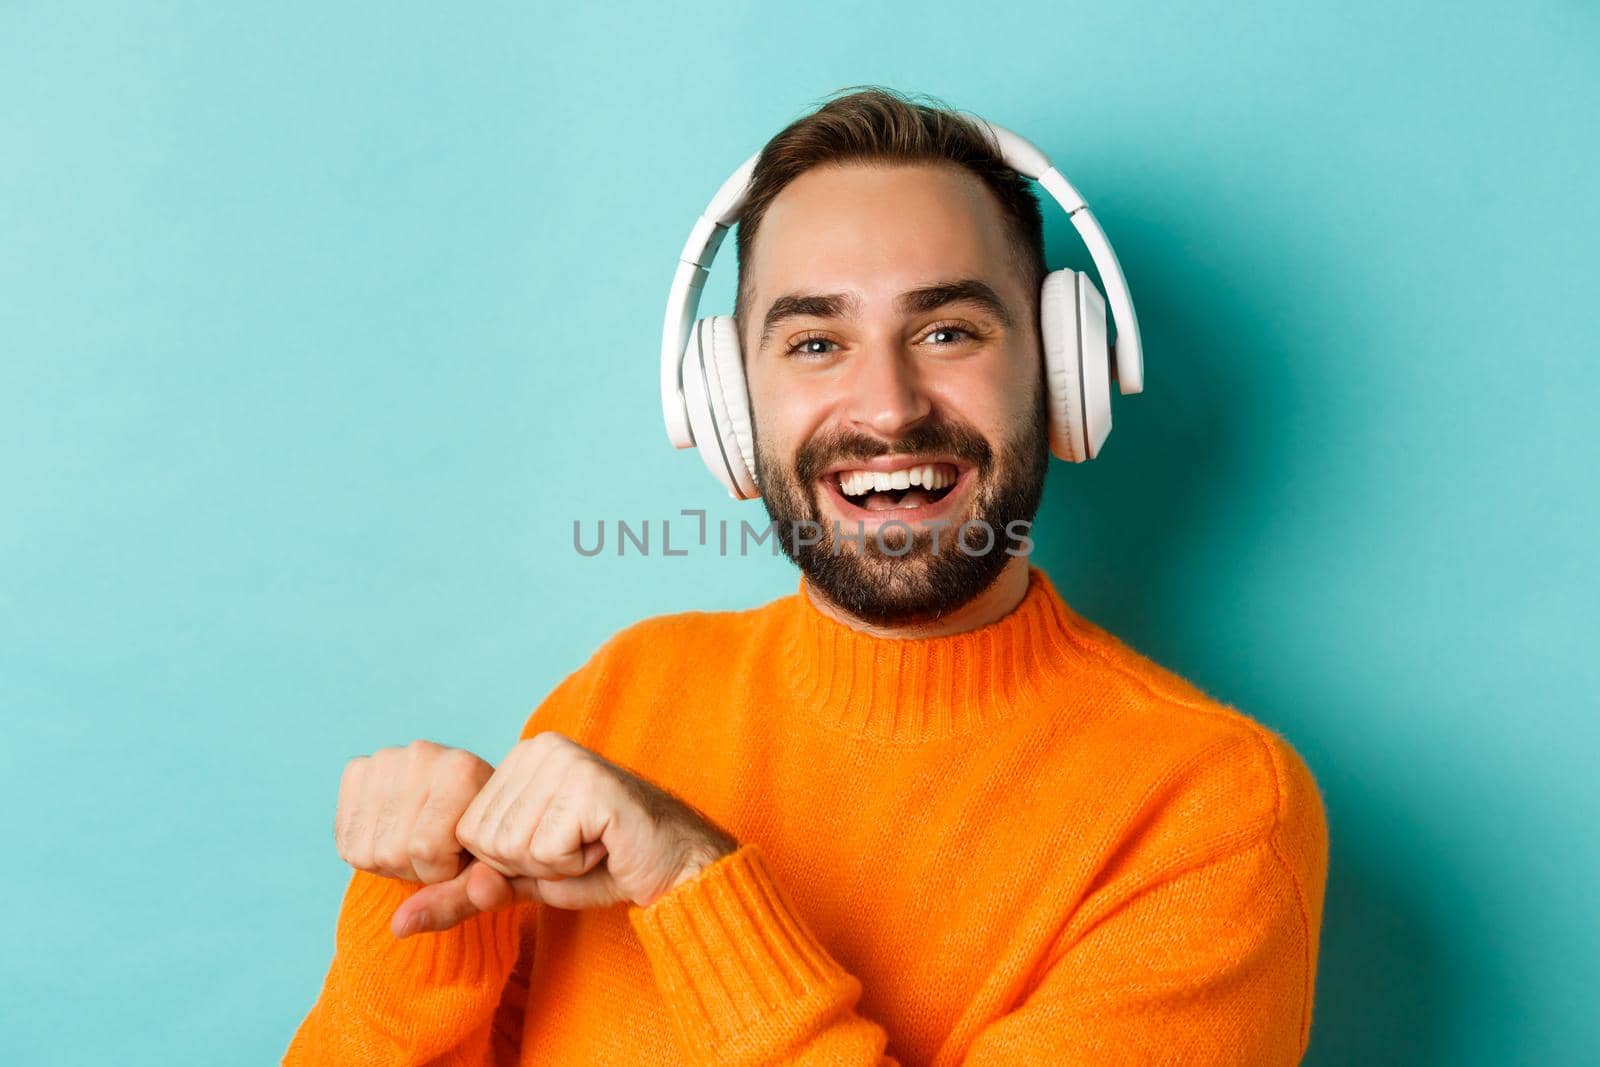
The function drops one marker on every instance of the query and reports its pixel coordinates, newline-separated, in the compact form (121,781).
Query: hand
(398,810)
(563,825)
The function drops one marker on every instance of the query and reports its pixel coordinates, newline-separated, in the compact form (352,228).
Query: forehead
(880,230)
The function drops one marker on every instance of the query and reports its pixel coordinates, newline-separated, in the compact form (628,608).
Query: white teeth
(928,476)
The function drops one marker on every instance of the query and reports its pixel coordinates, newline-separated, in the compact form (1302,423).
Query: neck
(991,605)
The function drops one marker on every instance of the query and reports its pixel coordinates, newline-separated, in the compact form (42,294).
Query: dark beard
(890,584)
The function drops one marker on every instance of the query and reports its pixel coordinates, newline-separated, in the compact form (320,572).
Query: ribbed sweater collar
(907,690)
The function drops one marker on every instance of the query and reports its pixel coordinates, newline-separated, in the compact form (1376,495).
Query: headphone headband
(705,238)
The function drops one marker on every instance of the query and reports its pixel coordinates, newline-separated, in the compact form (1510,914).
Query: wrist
(703,857)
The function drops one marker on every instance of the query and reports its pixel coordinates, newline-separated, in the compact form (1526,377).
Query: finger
(348,806)
(431,905)
(520,820)
(571,821)
(445,904)
(521,766)
(479,828)
(407,791)
(596,889)
(488,889)
(436,852)
(361,823)
(468,826)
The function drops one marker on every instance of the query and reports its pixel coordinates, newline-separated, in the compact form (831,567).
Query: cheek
(1014,392)
(785,413)
(990,398)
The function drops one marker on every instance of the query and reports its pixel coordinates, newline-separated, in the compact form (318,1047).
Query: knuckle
(507,842)
(391,857)
(389,811)
(350,779)
(546,852)
(461,763)
(546,739)
(430,848)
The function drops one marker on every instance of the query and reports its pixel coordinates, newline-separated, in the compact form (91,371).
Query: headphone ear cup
(1072,318)
(697,403)
(1063,377)
(1096,358)
(729,400)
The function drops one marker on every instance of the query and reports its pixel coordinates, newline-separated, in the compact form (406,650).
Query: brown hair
(875,124)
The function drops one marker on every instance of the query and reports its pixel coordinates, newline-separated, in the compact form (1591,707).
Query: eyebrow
(912,301)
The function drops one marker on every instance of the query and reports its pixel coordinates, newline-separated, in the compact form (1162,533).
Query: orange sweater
(1024,844)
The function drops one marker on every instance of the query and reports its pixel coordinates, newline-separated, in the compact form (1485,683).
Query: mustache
(955,439)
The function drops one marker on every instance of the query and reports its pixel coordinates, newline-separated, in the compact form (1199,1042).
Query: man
(919,811)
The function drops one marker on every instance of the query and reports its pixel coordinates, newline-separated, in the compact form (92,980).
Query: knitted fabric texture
(1023,844)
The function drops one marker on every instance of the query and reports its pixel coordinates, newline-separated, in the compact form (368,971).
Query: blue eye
(801,347)
(812,347)
(948,329)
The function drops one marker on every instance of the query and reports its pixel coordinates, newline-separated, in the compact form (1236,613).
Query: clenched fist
(574,830)
(398,810)
(397,817)
(555,823)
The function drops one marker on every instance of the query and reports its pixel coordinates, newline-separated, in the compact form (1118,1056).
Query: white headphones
(703,395)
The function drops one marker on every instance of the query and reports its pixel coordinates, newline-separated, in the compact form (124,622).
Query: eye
(804,347)
(950,330)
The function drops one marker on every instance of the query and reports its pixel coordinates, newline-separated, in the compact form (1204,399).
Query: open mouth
(903,490)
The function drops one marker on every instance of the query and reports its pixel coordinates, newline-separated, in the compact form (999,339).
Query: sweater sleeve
(1210,965)
(427,999)
(442,998)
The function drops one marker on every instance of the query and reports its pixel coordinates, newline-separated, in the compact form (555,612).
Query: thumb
(442,905)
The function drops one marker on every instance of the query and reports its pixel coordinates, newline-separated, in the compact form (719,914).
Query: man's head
(889,272)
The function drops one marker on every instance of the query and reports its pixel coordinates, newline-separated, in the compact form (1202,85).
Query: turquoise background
(319,326)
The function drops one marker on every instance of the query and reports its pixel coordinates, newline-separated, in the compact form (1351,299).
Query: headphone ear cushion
(706,436)
(1077,364)
(1095,360)
(730,401)
(1063,375)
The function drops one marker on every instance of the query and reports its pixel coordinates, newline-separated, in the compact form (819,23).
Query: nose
(886,394)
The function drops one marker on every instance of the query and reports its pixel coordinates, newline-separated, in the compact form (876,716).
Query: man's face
(890,336)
